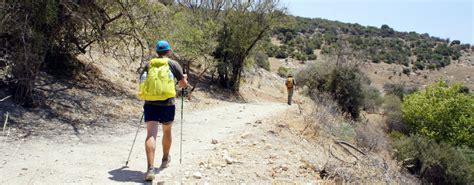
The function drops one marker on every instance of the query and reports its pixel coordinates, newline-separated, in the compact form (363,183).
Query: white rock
(245,135)
(229,160)
(197,175)
(214,141)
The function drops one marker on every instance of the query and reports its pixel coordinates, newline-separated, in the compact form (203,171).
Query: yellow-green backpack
(159,84)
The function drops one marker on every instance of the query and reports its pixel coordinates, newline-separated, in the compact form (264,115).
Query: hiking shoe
(165,163)
(150,174)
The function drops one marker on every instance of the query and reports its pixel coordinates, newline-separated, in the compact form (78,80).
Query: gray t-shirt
(178,74)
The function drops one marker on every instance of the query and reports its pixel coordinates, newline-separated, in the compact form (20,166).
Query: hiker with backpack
(290,86)
(157,89)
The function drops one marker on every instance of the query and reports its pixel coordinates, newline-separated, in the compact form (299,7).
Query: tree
(244,24)
(56,31)
(442,113)
(387,31)
(455,42)
(193,33)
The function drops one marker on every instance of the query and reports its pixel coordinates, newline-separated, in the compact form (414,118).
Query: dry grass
(325,124)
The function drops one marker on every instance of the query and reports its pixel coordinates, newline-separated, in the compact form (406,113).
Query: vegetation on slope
(301,36)
(222,33)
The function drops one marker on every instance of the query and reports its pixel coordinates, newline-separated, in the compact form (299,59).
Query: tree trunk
(236,73)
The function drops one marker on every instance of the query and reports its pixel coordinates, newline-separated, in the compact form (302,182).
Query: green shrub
(398,89)
(308,51)
(432,67)
(300,57)
(343,83)
(420,65)
(312,57)
(272,50)
(372,98)
(346,88)
(261,59)
(406,71)
(433,162)
(442,113)
(283,71)
(392,106)
(375,60)
(455,42)
(469,154)
(443,49)
(280,53)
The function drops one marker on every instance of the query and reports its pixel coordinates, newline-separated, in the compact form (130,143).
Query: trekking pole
(138,129)
(181,141)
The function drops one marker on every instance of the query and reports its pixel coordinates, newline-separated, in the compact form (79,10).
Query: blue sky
(441,18)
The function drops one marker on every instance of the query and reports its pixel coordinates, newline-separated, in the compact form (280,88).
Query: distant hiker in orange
(157,89)
(290,86)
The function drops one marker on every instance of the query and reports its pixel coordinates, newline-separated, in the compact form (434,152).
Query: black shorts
(162,114)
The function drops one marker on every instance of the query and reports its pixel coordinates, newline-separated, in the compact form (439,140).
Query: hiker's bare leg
(150,142)
(166,142)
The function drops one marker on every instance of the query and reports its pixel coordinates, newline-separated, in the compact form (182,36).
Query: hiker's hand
(183,83)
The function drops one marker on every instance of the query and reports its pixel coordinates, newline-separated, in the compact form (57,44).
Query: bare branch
(3,99)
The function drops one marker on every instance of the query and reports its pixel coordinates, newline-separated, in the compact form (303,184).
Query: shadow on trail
(124,175)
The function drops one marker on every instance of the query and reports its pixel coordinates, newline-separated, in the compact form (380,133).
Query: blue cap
(162,46)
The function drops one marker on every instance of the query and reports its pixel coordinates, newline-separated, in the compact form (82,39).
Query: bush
(443,49)
(432,67)
(308,51)
(442,113)
(272,50)
(312,57)
(261,60)
(420,65)
(283,71)
(406,71)
(346,88)
(392,106)
(280,53)
(343,83)
(455,42)
(398,89)
(372,98)
(300,57)
(433,162)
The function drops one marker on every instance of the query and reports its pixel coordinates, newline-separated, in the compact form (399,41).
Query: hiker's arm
(178,73)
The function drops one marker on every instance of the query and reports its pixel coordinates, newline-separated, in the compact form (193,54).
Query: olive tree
(244,24)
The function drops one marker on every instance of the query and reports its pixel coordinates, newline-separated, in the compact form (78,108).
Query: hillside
(302,36)
(387,56)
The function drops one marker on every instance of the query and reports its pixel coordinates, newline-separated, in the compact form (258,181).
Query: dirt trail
(101,161)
